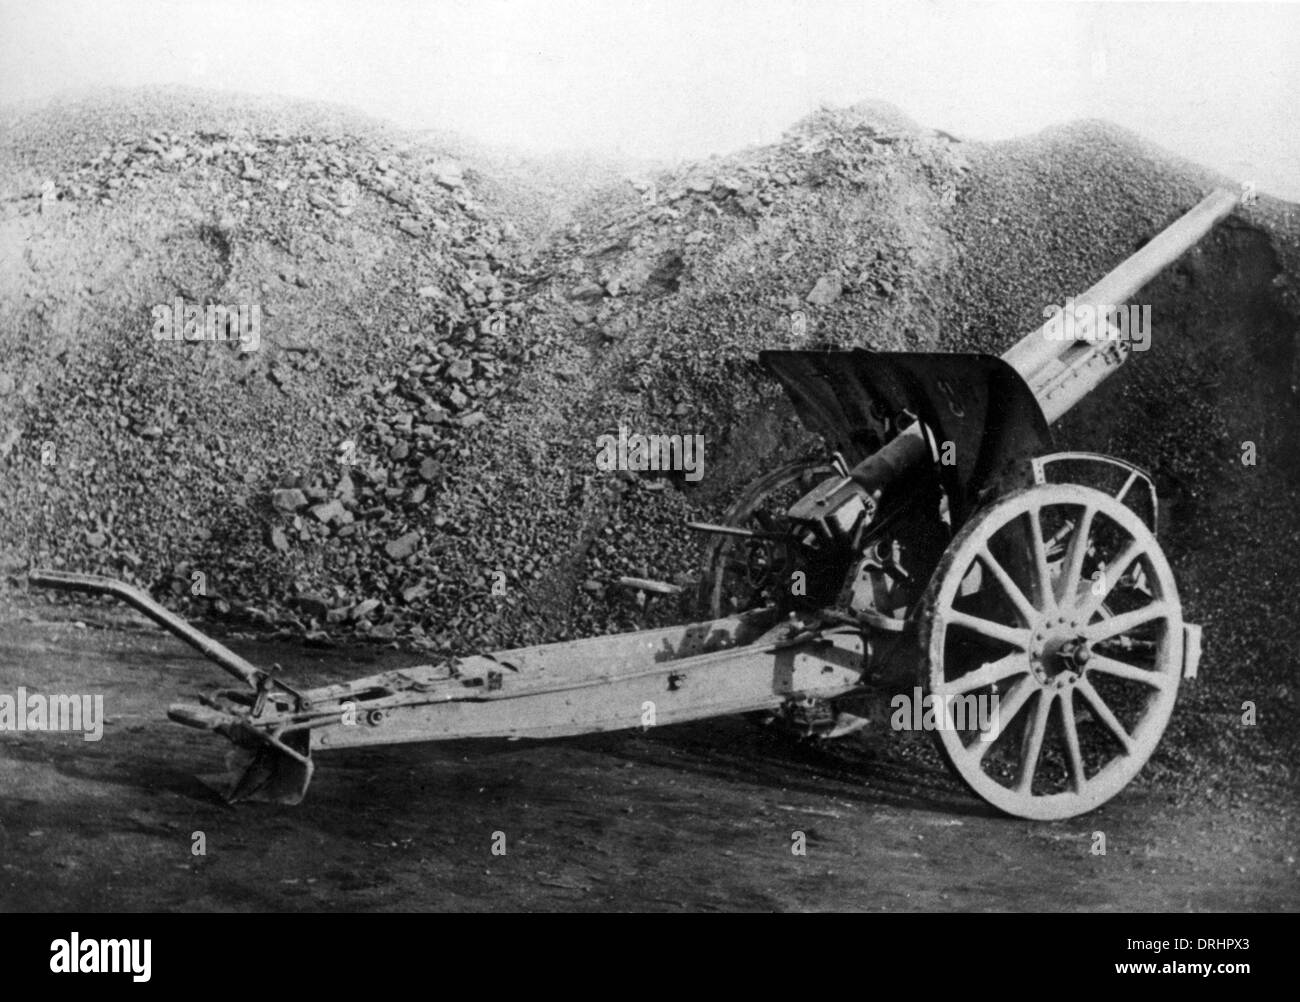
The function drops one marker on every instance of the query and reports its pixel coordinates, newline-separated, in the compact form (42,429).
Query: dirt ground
(694,817)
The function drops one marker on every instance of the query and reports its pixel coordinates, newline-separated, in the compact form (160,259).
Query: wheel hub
(1058,652)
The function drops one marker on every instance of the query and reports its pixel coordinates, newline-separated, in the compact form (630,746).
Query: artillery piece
(946,533)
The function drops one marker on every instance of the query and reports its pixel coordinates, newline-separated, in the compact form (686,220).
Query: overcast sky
(666,79)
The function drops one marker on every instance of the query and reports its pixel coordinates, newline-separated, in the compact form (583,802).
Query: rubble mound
(288,484)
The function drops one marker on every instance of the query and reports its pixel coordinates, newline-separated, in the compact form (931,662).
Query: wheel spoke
(1006,712)
(1045,597)
(1126,671)
(1072,749)
(995,671)
(1132,479)
(1074,556)
(1017,638)
(1033,745)
(1125,621)
(1110,577)
(1104,714)
(1023,606)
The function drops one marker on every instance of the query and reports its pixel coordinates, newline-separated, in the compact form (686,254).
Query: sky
(674,79)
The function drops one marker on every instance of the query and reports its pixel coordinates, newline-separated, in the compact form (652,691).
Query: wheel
(1051,636)
(741,573)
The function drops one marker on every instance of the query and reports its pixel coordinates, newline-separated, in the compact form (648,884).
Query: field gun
(945,541)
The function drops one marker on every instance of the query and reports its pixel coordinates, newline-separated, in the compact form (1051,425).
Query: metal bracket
(1191,649)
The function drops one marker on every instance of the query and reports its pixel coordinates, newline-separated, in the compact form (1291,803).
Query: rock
(330,512)
(96,539)
(312,605)
(449,174)
(827,290)
(403,546)
(412,227)
(362,610)
(415,592)
(726,186)
(473,420)
(588,292)
(289,499)
(461,370)
(457,399)
(278,540)
(429,470)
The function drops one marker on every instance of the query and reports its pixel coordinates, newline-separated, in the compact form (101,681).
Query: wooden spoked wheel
(744,574)
(1052,641)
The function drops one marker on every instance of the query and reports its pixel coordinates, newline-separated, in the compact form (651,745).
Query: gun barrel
(1061,371)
